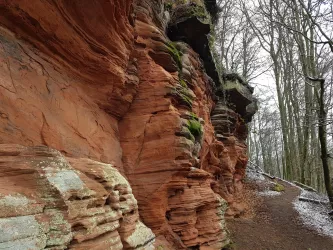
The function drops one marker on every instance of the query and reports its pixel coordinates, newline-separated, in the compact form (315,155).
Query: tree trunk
(323,141)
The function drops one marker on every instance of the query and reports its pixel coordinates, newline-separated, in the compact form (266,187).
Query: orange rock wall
(62,90)
(96,79)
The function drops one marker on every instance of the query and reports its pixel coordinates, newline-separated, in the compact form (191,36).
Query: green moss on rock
(184,10)
(175,53)
(194,116)
(195,127)
(182,95)
(182,83)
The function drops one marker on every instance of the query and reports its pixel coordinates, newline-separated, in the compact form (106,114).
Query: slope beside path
(276,225)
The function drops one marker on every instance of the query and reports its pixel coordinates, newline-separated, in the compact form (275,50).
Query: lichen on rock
(80,200)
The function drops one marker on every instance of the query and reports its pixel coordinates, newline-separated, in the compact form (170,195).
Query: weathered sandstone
(141,136)
(48,201)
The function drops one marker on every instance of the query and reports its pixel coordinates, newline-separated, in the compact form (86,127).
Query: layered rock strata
(140,133)
(50,202)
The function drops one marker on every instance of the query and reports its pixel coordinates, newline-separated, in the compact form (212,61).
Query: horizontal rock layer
(48,201)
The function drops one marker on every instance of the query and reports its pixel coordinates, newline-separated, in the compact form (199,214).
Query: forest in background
(288,44)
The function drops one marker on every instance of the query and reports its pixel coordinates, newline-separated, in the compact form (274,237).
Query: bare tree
(297,37)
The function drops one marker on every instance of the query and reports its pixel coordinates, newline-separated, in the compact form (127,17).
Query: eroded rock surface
(141,135)
(48,201)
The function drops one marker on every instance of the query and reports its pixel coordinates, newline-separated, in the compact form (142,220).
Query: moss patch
(278,187)
(184,10)
(195,127)
(200,11)
(182,95)
(175,53)
(194,116)
(182,83)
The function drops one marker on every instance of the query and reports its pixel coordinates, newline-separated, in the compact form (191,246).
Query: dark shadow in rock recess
(213,9)
(190,23)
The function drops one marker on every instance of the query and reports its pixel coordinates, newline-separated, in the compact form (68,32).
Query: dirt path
(276,226)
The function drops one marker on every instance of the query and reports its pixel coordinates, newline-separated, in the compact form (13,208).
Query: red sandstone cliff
(141,136)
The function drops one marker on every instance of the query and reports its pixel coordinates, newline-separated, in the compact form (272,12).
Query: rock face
(138,140)
(48,201)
